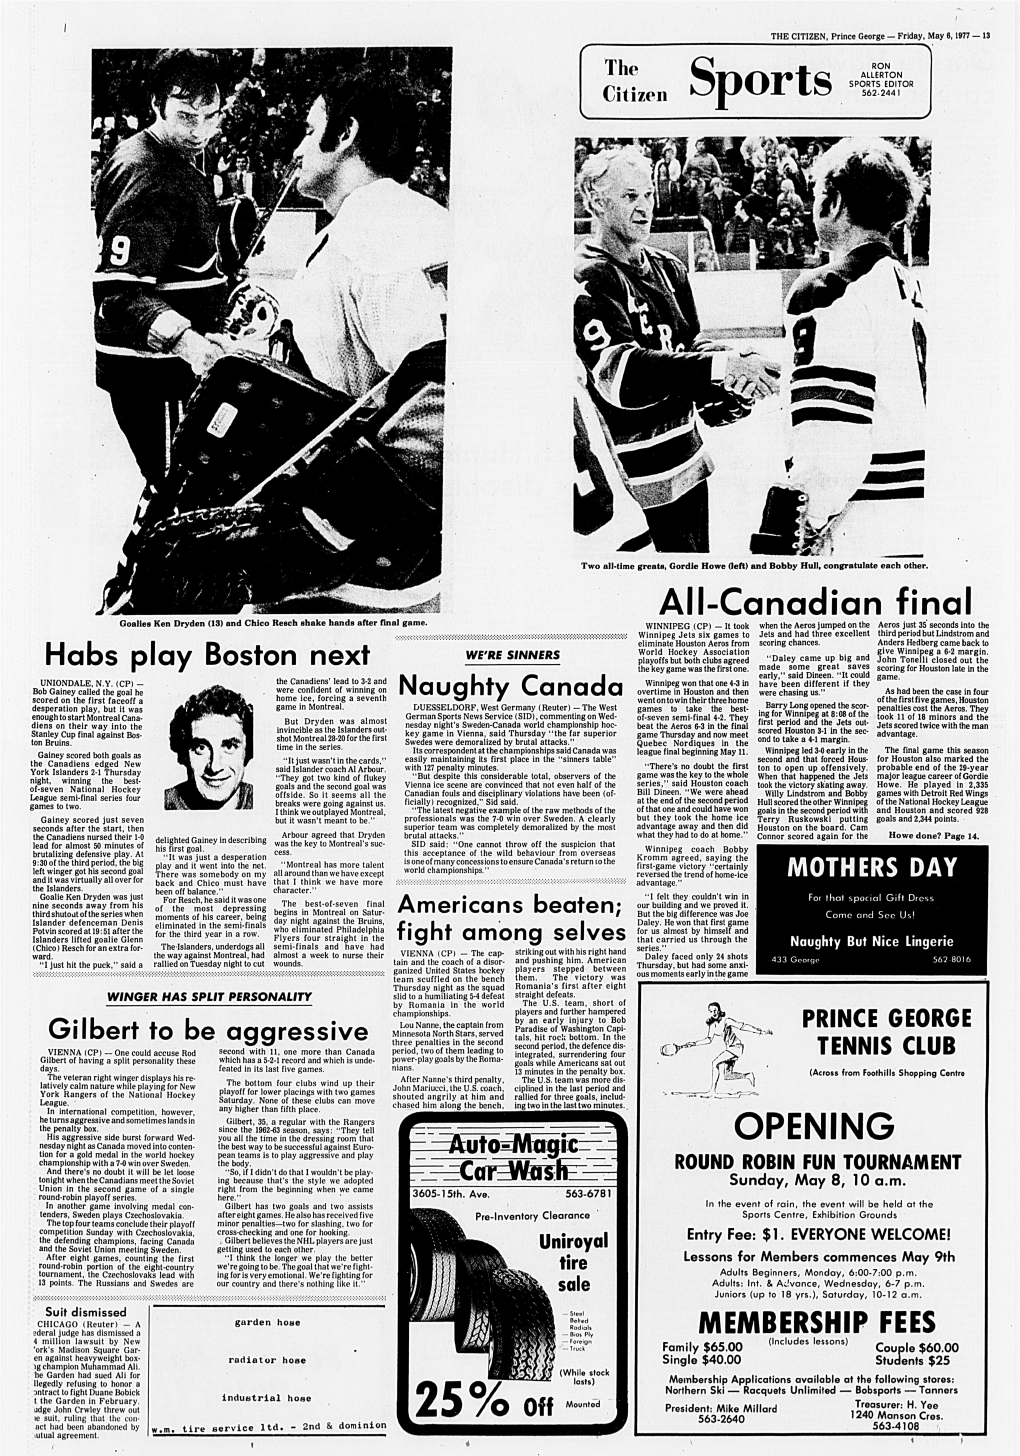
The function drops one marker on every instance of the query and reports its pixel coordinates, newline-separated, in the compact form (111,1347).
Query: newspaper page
(549,467)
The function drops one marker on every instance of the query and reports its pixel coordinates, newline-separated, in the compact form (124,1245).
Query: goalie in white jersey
(856,375)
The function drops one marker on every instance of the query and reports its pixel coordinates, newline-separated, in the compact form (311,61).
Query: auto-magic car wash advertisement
(513,1230)
(811,1209)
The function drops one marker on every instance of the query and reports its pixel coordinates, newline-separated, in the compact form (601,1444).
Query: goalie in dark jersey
(637,333)
(159,290)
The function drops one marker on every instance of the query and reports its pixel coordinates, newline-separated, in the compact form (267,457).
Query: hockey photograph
(273,234)
(751,345)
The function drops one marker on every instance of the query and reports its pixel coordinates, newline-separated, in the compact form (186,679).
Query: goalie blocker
(282,489)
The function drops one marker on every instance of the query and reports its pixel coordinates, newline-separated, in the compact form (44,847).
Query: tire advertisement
(512,1272)
(811,1172)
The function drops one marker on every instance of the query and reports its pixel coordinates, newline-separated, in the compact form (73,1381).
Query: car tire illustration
(476,1263)
(432,1263)
(522,1344)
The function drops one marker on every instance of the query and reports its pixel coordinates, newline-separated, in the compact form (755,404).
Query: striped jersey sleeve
(134,238)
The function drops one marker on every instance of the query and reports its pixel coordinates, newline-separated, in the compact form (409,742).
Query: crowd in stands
(751,190)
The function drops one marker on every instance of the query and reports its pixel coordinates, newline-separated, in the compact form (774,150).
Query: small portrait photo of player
(717,273)
(212,736)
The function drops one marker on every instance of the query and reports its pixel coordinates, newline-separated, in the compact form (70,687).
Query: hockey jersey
(634,328)
(855,382)
(156,219)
